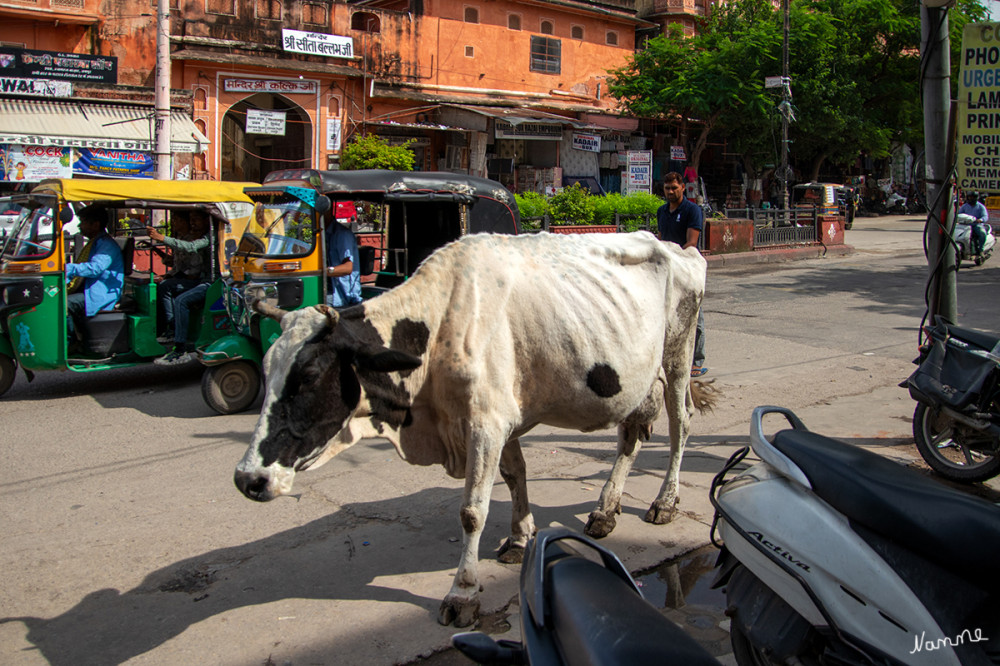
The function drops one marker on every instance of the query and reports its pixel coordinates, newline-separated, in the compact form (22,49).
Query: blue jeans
(177,303)
(699,340)
(978,234)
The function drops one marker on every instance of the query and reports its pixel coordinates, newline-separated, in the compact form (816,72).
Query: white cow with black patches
(490,337)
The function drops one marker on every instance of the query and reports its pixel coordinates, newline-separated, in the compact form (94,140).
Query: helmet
(972,197)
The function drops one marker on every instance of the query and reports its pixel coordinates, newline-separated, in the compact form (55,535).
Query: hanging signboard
(979,109)
(588,142)
(678,154)
(317,43)
(28,63)
(260,121)
(333,134)
(34,163)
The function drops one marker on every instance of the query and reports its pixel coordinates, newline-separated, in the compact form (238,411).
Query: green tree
(373,152)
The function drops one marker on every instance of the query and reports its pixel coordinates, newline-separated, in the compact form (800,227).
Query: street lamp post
(161,148)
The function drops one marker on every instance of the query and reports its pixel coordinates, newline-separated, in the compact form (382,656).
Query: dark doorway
(249,156)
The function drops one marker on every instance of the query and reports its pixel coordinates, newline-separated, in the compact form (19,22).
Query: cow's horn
(332,316)
(269,310)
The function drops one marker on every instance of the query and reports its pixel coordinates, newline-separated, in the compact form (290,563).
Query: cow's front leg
(522,525)
(602,519)
(680,408)
(461,606)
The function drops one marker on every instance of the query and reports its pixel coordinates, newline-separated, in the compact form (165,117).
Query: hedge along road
(126,541)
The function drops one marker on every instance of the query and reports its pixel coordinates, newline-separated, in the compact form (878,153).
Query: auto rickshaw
(281,258)
(33,256)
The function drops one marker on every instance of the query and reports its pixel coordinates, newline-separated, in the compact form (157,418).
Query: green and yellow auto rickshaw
(34,254)
(281,259)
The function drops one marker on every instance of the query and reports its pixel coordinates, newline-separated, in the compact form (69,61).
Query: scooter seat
(951,528)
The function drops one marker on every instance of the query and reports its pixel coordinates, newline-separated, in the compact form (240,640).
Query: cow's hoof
(661,513)
(600,524)
(510,554)
(461,611)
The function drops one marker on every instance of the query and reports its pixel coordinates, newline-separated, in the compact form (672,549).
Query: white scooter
(963,241)
(835,555)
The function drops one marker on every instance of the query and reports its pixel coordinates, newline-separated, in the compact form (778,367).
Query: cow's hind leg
(522,525)
(638,425)
(461,605)
(680,408)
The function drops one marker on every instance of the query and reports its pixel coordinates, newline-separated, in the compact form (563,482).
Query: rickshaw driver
(343,267)
(100,272)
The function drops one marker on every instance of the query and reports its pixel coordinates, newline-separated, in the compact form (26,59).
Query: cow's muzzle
(254,485)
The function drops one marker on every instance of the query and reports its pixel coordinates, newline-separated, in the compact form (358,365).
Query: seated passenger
(97,277)
(186,284)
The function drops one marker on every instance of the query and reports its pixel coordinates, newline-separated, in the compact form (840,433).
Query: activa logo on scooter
(784,554)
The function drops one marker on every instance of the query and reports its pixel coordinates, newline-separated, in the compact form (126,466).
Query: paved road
(126,542)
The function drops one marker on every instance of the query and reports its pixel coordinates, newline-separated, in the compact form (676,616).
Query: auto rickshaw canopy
(144,190)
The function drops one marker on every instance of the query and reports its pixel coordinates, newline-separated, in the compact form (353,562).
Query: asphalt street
(125,540)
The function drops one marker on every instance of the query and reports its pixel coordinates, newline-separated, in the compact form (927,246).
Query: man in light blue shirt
(343,269)
(975,209)
(96,281)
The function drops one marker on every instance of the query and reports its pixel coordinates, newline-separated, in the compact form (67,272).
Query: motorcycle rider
(975,209)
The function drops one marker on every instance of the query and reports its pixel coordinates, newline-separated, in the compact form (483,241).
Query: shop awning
(81,125)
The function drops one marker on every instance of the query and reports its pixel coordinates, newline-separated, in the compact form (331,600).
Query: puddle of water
(684,582)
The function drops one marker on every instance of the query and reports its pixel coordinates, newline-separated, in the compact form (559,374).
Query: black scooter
(956,424)
(575,610)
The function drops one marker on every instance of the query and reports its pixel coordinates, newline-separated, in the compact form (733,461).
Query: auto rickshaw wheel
(231,387)
(7,370)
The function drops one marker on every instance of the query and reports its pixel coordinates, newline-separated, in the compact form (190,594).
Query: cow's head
(312,391)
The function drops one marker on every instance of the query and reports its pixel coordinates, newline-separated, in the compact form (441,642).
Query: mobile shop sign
(11,85)
(979,109)
(271,86)
(34,163)
(114,163)
(317,43)
(265,122)
(28,64)
(588,142)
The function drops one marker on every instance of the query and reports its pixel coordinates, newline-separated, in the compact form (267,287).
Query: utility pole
(786,109)
(161,148)
(935,54)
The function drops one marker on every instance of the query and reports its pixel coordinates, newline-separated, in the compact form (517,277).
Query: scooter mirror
(65,214)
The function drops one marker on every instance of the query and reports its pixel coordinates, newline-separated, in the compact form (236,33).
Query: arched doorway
(250,157)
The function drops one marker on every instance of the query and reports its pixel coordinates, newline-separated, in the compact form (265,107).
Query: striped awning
(73,124)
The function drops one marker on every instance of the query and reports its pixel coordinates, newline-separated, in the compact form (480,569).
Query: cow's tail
(703,395)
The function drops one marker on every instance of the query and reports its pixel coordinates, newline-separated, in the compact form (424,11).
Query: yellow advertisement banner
(978,148)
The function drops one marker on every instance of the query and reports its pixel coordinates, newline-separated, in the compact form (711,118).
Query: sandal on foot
(698,371)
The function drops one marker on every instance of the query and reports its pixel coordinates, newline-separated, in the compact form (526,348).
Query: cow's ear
(386,360)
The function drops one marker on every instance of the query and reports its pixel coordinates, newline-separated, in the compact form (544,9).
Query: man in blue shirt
(681,221)
(343,269)
(96,281)
(975,209)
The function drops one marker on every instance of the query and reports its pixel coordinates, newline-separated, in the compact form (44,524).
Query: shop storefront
(75,139)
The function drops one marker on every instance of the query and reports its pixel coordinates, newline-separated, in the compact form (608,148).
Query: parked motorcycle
(835,555)
(963,241)
(577,609)
(956,424)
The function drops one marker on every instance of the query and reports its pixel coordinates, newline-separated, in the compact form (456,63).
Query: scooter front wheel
(953,450)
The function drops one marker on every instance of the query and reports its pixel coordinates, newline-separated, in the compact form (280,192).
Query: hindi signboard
(317,43)
(260,121)
(271,86)
(32,64)
(979,109)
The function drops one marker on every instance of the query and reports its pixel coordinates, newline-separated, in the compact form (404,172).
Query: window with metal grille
(225,7)
(471,15)
(314,13)
(545,54)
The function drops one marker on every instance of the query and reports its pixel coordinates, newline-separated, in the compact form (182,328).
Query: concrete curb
(777,255)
